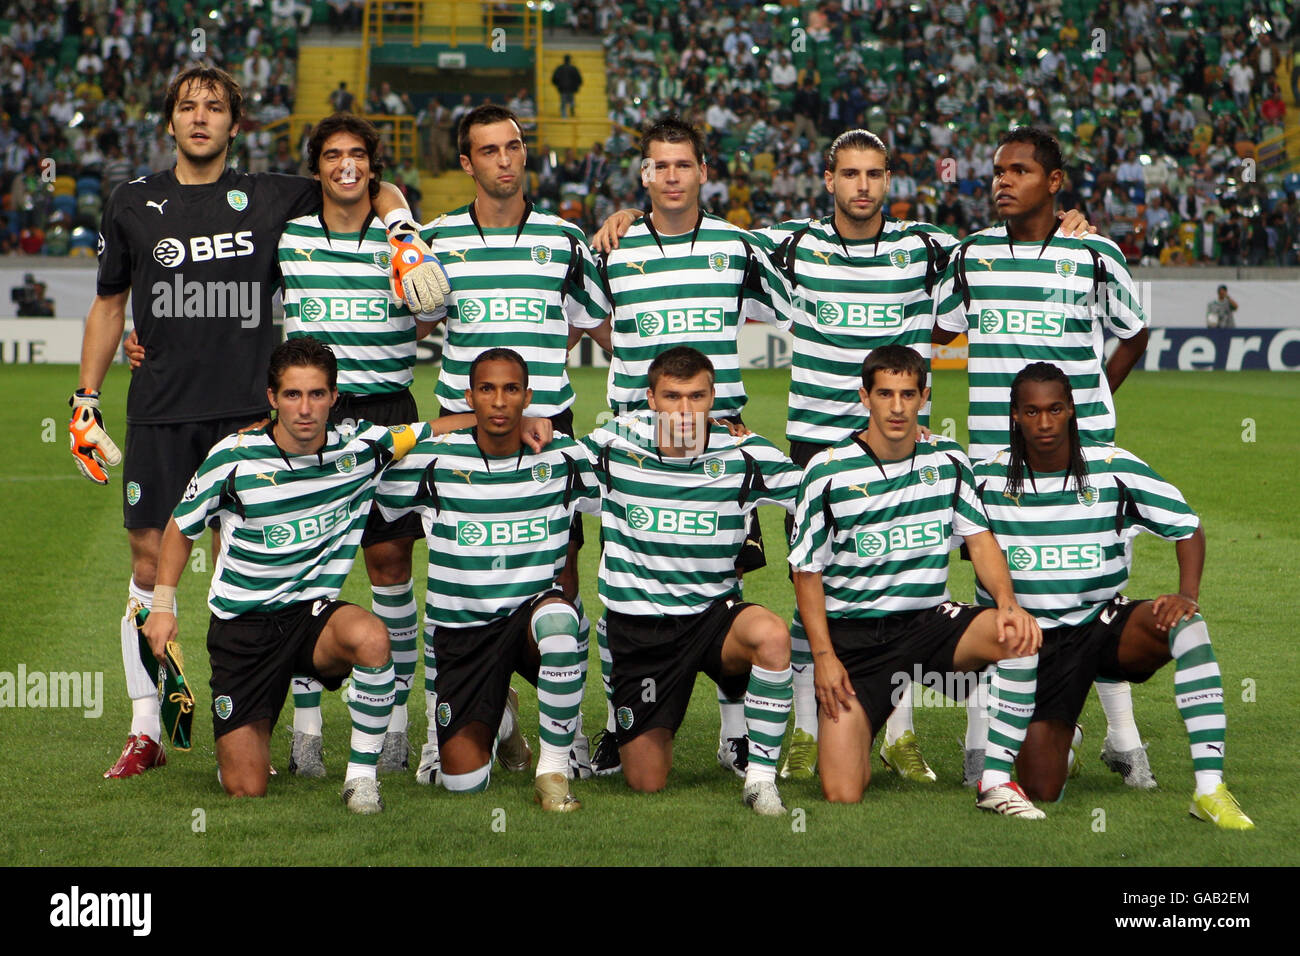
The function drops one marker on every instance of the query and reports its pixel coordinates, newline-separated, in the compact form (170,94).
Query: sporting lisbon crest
(625,718)
(132,493)
(1088,496)
(714,468)
(346,463)
(223,707)
(238,200)
(900,258)
(718,261)
(383,259)
(930,474)
(1066,268)
(542,473)
(444,714)
(541,255)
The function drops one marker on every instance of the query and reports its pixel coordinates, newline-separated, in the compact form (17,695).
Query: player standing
(524,280)
(292,498)
(870,558)
(497,520)
(196,244)
(1066,510)
(682,277)
(677,495)
(1022,292)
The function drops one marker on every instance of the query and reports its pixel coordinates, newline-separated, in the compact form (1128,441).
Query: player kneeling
(497,517)
(292,499)
(1067,511)
(677,497)
(874,520)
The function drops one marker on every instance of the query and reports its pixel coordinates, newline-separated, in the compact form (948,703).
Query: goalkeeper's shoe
(430,763)
(513,753)
(1076,762)
(305,756)
(396,753)
(733,755)
(1009,800)
(800,757)
(551,791)
(1132,765)
(361,794)
(418,278)
(1220,808)
(141,753)
(605,759)
(92,449)
(904,758)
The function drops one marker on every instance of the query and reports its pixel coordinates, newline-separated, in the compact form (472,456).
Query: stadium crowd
(1159,107)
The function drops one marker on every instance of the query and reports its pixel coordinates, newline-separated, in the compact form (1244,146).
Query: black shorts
(658,656)
(1071,658)
(254,656)
(562,422)
(475,664)
(387,408)
(159,462)
(753,554)
(879,652)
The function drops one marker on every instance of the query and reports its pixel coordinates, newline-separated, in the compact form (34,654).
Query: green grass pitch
(1230,441)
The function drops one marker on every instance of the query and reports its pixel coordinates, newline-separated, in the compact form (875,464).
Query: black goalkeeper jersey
(201,265)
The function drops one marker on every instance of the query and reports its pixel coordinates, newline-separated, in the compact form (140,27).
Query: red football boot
(139,754)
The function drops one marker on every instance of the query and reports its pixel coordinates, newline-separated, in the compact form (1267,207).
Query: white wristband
(400,214)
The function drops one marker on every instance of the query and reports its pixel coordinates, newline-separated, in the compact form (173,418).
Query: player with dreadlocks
(1066,511)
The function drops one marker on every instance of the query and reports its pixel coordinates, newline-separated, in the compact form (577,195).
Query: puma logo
(1014,499)
(305,253)
(861,488)
(638,266)
(1216,748)
(825,257)
(640,459)
(469,479)
(265,477)
(986,262)
(157,205)
(458,253)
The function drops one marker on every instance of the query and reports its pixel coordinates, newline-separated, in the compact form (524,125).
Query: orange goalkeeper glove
(418,277)
(92,449)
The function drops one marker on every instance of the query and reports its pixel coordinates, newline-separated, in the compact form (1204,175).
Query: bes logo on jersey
(714,467)
(303,530)
(170,252)
(718,261)
(1022,322)
(501,309)
(673,521)
(344,309)
(900,258)
(444,714)
(901,537)
(1065,268)
(860,315)
(541,255)
(542,473)
(238,200)
(475,534)
(677,321)
(346,463)
(1088,496)
(624,715)
(384,260)
(930,475)
(1055,557)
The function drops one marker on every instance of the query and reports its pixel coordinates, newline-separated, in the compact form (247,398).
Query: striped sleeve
(585,304)
(1155,505)
(812,544)
(781,476)
(1122,312)
(202,499)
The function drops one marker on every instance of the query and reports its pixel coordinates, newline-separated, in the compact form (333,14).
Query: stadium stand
(1179,120)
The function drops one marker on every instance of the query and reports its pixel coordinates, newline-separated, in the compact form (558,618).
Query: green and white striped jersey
(1030,302)
(497,528)
(1069,551)
(672,527)
(879,532)
(336,289)
(851,296)
(290,525)
(519,288)
(696,289)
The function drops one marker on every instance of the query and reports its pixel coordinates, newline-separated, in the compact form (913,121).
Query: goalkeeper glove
(418,277)
(91,447)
